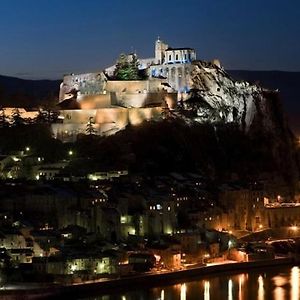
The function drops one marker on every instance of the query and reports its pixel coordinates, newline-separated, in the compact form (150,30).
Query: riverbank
(144,280)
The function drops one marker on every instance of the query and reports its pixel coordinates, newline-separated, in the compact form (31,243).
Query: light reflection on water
(261,291)
(230,289)
(241,286)
(206,290)
(295,283)
(162,294)
(275,284)
(183,292)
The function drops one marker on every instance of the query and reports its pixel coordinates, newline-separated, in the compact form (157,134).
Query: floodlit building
(110,105)
(174,64)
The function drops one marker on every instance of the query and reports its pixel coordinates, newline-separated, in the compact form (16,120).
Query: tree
(3,120)
(17,120)
(90,129)
(127,67)
(47,116)
(134,68)
(41,117)
(166,113)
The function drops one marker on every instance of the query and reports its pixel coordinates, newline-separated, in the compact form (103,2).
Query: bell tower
(160,48)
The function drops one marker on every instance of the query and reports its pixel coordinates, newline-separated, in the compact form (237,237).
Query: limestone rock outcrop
(217,97)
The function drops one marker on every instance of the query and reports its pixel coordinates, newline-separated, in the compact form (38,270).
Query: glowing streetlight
(70,153)
(27,149)
(294,228)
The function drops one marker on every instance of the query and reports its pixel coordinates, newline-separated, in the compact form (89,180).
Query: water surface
(276,283)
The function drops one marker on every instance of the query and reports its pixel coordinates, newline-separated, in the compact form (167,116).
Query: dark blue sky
(47,38)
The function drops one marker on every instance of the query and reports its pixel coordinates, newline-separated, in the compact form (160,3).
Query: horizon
(46,39)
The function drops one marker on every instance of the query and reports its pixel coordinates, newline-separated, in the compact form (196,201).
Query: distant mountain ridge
(16,92)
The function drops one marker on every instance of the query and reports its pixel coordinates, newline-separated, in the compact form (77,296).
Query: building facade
(112,105)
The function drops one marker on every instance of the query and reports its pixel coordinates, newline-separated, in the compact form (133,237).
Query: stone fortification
(107,121)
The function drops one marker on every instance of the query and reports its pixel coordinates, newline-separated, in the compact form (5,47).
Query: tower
(160,48)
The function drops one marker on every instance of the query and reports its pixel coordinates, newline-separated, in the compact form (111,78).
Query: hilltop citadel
(113,104)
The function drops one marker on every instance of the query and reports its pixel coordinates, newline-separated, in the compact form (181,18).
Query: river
(278,283)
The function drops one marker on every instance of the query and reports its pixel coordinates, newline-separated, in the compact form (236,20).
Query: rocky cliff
(220,98)
(217,98)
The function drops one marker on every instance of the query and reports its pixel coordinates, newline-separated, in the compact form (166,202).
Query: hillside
(228,128)
(15,92)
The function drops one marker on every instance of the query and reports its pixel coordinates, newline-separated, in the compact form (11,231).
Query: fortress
(113,104)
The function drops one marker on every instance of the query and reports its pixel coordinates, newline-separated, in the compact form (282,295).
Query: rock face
(223,99)
(218,98)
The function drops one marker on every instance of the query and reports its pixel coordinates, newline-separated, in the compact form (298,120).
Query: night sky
(48,38)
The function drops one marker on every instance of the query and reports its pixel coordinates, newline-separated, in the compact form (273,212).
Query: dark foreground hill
(217,151)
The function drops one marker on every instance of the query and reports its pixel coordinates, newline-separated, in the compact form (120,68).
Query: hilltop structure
(113,104)
(173,64)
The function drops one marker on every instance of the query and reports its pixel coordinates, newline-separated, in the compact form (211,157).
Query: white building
(174,64)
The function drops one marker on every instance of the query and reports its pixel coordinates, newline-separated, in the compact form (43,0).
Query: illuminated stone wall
(283,216)
(9,111)
(134,86)
(137,115)
(94,101)
(108,121)
(177,75)
(120,104)
(139,93)
(77,116)
(86,84)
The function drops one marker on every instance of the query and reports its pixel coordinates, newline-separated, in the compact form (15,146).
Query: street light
(27,149)
(294,228)
(70,152)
